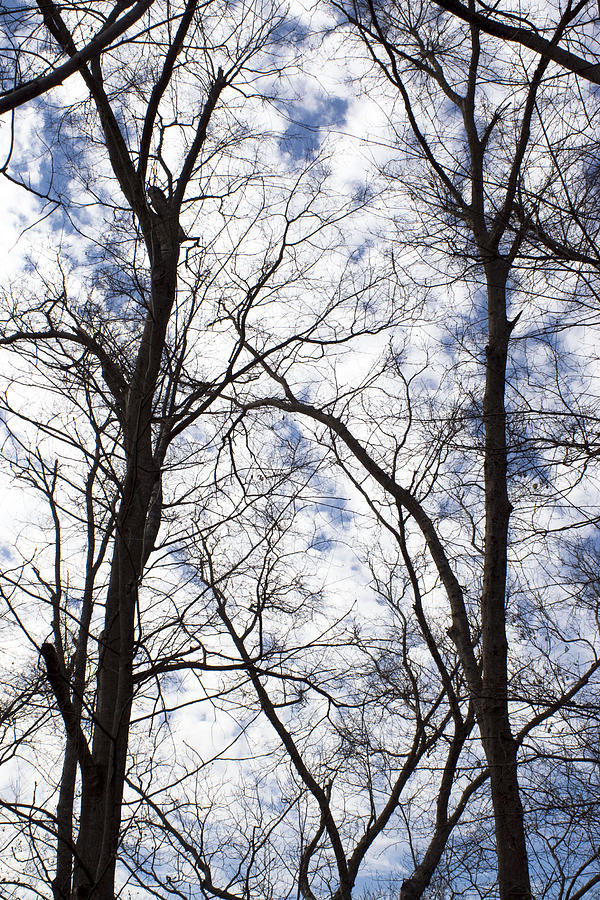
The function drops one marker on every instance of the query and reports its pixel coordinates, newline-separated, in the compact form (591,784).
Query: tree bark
(101,799)
(493,712)
(61,883)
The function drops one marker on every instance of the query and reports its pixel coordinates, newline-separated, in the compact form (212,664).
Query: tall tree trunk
(494,721)
(102,795)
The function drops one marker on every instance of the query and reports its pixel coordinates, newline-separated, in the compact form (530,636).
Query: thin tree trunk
(61,883)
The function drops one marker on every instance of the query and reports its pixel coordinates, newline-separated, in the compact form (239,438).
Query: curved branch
(587,69)
(37,86)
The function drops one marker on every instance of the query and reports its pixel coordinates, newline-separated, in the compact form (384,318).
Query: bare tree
(466,190)
(125,374)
